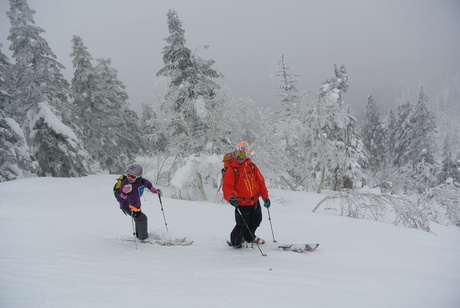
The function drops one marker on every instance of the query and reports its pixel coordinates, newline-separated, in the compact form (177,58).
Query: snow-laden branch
(443,202)
(380,207)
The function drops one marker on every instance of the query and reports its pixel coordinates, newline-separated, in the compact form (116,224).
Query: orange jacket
(246,183)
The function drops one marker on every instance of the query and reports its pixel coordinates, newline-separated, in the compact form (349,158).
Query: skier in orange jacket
(242,186)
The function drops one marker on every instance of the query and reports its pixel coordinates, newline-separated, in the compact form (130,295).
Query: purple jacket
(134,197)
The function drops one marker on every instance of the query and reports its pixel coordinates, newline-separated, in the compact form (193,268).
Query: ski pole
(134,231)
(250,232)
(270,219)
(164,218)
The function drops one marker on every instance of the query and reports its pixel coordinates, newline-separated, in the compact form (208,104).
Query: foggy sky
(385,45)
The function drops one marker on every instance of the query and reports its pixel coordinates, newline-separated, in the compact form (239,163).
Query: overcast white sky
(385,44)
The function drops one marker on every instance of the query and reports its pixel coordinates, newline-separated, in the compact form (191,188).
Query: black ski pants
(141,226)
(250,217)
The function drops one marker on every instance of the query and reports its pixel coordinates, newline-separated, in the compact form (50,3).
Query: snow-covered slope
(61,246)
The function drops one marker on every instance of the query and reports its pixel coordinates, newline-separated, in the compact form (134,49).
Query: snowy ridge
(58,250)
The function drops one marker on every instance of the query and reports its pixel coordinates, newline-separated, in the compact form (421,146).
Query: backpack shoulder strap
(237,174)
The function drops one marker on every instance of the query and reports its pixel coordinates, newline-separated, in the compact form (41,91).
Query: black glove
(233,201)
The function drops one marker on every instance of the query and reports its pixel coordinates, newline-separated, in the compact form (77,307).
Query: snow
(15,127)
(45,113)
(62,246)
(200,108)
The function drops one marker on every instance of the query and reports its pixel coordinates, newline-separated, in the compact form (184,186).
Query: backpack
(116,187)
(227,160)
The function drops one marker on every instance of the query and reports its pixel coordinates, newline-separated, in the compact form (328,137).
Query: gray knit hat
(135,169)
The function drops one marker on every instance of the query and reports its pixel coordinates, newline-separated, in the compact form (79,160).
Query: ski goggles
(239,154)
(132,177)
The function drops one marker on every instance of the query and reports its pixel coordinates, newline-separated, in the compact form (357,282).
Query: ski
(298,247)
(174,242)
(162,242)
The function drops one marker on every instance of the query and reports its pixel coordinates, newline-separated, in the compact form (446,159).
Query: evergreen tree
(191,89)
(59,152)
(289,96)
(15,160)
(39,89)
(36,73)
(330,97)
(282,130)
(354,153)
(184,69)
(119,126)
(412,137)
(149,122)
(335,145)
(449,172)
(400,134)
(110,129)
(424,130)
(5,69)
(85,81)
(391,135)
(422,148)
(374,136)
(202,81)
(176,57)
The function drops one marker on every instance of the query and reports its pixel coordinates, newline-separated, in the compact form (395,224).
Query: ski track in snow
(60,247)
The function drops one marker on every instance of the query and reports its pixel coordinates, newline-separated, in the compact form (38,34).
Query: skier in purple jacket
(131,190)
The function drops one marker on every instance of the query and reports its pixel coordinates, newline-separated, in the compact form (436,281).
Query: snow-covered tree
(36,73)
(424,166)
(151,138)
(270,148)
(424,129)
(229,121)
(350,156)
(184,69)
(15,160)
(191,89)
(281,131)
(111,130)
(336,148)
(176,57)
(315,142)
(442,204)
(119,126)
(5,69)
(449,172)
(391,136)
(38,84)
(448,113)
(373,135)
(411,140)
(202,77)
(59,152)
(85,80)
(400,210)
(290,99)
(400,134)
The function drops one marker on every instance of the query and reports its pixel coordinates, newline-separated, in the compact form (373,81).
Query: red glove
(155,191)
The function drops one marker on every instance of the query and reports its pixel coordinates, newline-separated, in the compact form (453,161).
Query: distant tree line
(311,141)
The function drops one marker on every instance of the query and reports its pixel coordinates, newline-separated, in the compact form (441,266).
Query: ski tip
(298,247)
